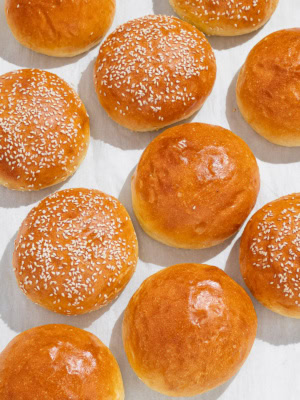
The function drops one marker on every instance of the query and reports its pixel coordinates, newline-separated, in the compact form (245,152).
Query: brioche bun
(59,362)
(59,28)
(154,71)
(188,329)
(268,88)
(225,17)
(44,130)
(194,186)
(75,251)
(269,255)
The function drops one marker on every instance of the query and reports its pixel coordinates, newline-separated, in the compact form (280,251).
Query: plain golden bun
(75,251)
(60,28)
(225,17)
(194,186)
(44,130)
(269,255)
(59,362)
(268,88)
(188,329)
(154,71)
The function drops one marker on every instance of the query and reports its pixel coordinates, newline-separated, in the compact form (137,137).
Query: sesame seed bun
(59,28)
(188,329)
(75,251)
(44,130)
(269,255)
(154,71)
(268,88)
(194,186)
(59,362)
(225,17)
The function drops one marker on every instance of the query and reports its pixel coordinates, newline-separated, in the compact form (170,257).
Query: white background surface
(272,372)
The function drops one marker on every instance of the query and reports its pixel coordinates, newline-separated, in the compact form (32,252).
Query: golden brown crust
(44,130)
(59,362)
(59,28)
(268,88)
(225,17)
(75,251)
(188,329)
(154,71)
(269,255)
(194,186)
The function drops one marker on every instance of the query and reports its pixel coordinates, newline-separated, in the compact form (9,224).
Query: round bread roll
(194,186)
(270,255)
(188,329)
(60,28)
(59,362)
(154,71)
(44,130)
(225,17)
(268,88)
(75,251)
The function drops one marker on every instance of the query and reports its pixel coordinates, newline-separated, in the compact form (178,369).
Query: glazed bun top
(58,362)
(194,186)
(44,129)
(268,87)
(154,71)
(75,251)
(188,329)
(225,17)
(61,28)
(270,255)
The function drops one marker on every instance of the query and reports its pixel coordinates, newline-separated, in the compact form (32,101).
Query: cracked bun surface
(225,17)
(75,251)
(188,329)
(154,71)
(270,255)
(54,362)
(194,186)
(44,130)
(60,28)
(268,88)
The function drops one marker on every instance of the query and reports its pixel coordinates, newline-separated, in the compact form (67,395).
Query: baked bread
(44,130)
(59,362)
(268,88)
(225,17)
(188,329)
(270,255)
(75,251)
(154,71)
(59,28)
(194,186)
